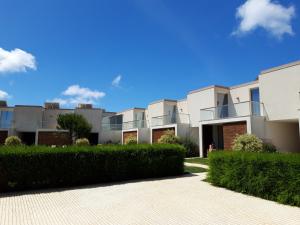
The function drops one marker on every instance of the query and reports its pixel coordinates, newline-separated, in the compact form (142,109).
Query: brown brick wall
(3,136)
(231,130)
(53,138)
(157,133)
(129,134)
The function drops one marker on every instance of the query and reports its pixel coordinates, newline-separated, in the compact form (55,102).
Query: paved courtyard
(183,200)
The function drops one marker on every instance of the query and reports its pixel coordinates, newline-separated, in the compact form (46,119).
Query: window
(255,102)
(6,119)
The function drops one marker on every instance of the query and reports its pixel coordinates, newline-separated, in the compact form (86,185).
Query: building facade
(267,107)
(38,125)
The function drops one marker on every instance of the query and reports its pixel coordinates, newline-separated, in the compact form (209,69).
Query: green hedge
(44,167)
(270,176)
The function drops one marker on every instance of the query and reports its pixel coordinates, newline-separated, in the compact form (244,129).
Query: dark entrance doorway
(28,138)
(207,131)
(93,138)
(212,134)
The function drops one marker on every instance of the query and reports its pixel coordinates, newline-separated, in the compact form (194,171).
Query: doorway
(28,138)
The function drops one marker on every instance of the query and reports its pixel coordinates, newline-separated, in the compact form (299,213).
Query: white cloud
(76,90)
(75,94)
(116,81)
(4,95)
(266,14)
(16,60)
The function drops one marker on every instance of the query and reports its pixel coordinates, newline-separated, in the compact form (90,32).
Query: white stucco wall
(110,136)
(279,92)
(50,117)
(155,109)
(144,136)
(242,92)
(258,126)
(284,135)
(28,118)
(169,107)
(93,116)
(200,100)
(128,115)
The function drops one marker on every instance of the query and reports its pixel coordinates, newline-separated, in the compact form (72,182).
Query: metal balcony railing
(134,124)
(5,125)
(178,118)
(112,127)
(232,110)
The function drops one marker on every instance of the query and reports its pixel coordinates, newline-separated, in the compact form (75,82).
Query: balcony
(136,124)
(179,118)
(241,109)
(6,118)
(5,125)
(111,127)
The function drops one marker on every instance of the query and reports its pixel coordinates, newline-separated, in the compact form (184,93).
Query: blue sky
(119,54)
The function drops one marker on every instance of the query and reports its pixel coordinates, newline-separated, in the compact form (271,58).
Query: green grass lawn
(203,161)
(193,169)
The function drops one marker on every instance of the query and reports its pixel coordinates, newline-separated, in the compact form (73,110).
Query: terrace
(176,118)
(235,110)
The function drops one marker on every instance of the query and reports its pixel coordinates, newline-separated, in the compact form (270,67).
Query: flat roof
(135,108)
(244,84)
(208,87)
(296,63)
(163,100)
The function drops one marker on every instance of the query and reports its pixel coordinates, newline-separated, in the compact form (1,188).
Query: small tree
(77,125)
(169,137)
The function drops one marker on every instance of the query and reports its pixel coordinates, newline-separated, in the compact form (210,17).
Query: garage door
(54,138)
(129,134)
(231,130)
(157,133)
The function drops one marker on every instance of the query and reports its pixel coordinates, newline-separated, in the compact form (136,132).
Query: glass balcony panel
(231,111)
(179,118)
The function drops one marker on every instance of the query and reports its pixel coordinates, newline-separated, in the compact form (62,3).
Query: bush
(44,167)
(267,147)
(192,149)
(247,143)
(270,176)
(13,141)
(169,138)
(131,140)
(82,142)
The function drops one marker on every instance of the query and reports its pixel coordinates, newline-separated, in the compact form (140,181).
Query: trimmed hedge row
(274,177)
(44,167)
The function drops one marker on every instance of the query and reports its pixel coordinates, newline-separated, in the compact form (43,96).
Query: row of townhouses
(267,107)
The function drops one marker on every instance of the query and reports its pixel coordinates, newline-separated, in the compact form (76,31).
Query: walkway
(183,200)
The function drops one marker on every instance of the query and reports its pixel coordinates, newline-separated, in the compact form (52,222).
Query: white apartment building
(38,125)
(267,107)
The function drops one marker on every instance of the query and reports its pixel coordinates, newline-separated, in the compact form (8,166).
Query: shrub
(268,147)
(169,138)
(13,141)
(192,149)
(270,176)
(247,143)
(34,167)
(131,140)
(82,142)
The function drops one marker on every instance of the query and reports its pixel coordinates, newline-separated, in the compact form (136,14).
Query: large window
(6,119)
(255,102)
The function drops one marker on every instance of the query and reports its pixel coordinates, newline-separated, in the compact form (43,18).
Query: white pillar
(201,140)
(299,122)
